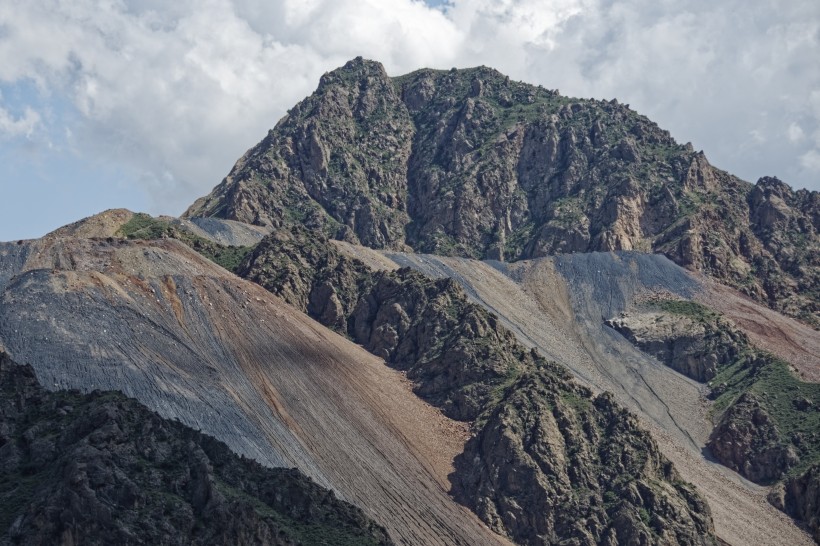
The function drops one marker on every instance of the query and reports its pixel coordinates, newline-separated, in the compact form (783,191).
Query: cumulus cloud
(811,161)
(178,90)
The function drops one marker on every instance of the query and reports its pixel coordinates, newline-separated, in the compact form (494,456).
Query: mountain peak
(470,163)
(356,70)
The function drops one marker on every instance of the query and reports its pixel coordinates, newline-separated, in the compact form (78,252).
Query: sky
(146,104)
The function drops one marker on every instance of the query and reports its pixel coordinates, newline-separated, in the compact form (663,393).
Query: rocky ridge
(101,468)
(800,498)
(540,440)
(688,343)
(195,343)
(470,163)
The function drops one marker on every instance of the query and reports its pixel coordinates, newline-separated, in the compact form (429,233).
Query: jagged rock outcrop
(800,498)
(305,270)
(747,440)
(694,342)
(766,417)
(101,468)
(336,163)
(454,351)
(541,480)
(594,475)
(470,163)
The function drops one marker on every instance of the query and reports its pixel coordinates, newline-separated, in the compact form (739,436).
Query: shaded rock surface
(747,440)
(469,163)
(596,477)
(100,468)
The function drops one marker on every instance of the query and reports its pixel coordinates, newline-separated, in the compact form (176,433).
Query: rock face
(338,159)
(454,351)
(548,463)
(800,498)
(469,163)
(596,477)
(748,440)
(694,344)
(103,469)
(766,417)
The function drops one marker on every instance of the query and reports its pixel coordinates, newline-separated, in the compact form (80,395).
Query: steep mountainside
(469,163)
(767,419)
(548,462)
(102,469)
(158,322)
(560,305)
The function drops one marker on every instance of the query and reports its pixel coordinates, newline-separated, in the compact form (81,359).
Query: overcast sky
(147,104)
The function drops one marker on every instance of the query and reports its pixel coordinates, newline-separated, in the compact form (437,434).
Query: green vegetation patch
(146,227)
(685,308)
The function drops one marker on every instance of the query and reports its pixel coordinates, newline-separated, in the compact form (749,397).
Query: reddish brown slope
(793,341)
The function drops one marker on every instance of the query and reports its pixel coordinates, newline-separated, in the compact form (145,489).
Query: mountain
(475,310)
(469,163)
(556,305)
(183,336)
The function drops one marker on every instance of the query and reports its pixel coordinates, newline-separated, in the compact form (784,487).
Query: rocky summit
(469,163)
(444,308)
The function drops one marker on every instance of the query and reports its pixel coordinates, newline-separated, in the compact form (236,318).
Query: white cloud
(24,125)
(795,132)
(179,90)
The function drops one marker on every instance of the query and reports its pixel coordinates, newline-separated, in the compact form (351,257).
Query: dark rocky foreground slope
(469,163)
(101,468)
(548,462)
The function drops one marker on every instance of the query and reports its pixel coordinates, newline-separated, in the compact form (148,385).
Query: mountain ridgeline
(431,309)
(469,163)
